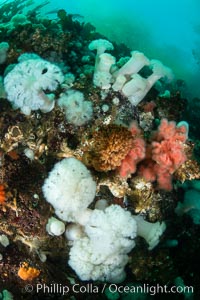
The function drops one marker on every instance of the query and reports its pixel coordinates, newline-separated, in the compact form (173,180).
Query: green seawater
(167,30)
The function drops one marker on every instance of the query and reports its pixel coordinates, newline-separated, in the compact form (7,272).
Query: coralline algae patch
(93,158)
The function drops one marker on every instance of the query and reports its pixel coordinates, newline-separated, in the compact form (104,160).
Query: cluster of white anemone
(100,238)
(126,79)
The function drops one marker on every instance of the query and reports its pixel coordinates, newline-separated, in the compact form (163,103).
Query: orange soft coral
(28,273)
(2,194)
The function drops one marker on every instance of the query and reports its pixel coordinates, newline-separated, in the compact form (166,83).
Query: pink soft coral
(167,154)
(161,158)
(135,155)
